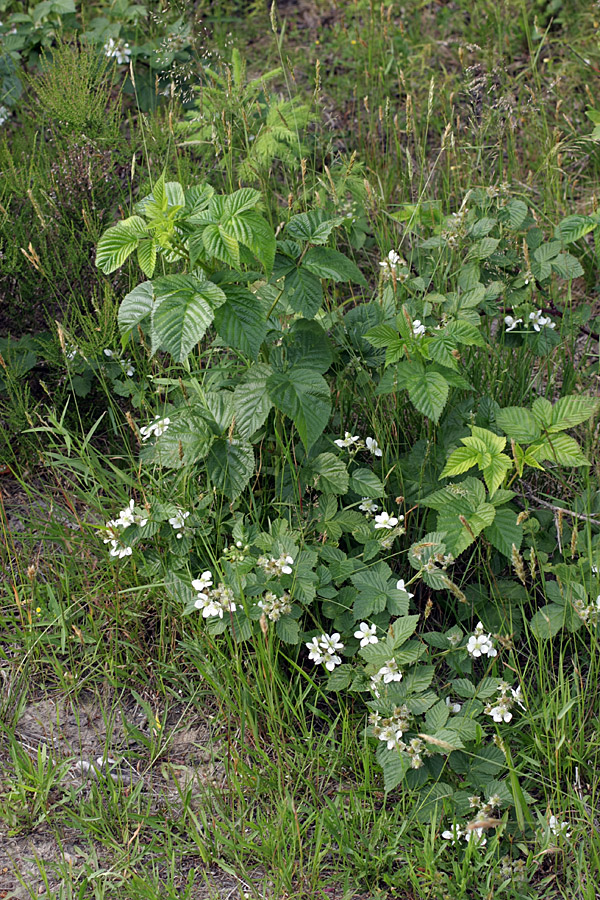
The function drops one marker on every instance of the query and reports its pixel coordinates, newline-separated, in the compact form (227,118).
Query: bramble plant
(253,304)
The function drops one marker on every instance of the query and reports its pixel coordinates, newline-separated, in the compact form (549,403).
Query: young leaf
(518,423)
(119,242)
(146,255)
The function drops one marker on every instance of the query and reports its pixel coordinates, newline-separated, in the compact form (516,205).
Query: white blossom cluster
(390,730)
(157,427)
(481,644)
(117,49)
(588,612)
(275,567)
(500,708)
(536,319)
(322,650)
(390,265)
(124,363)
(275,607)
(213,601)
(128,516)
(556,827)
(473,832)
(386,674)
(178,522)
(355,442)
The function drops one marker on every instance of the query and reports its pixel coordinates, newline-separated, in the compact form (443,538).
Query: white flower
(128,517)
(393,737)
(119,549)
(129,370)
(373,446)
(400,587)
(366,634)
(331,660)
(208,606)
(540,321)
(480,644)
(511,323)
(157,427)
(453,707)
(331,642)
(107,352)
(117,49)
(500,714)
(178,521)
(390,672)
(348,440)
(453,835)
(4,114)
(315,652)
(391,263)
(272,566)
(275,607)
(368,506)
(557,827)
(384,520)
(418,328)
(203,583)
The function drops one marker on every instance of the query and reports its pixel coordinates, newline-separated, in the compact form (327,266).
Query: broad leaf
(365,483)
(329,473)
(504,532)
(548,621)
(146,255)
(428,392)
(332,264)
(183,311)
(118,242)
(135,306)
(251,403)
(570,411)
(240,321)
(304,396)
(518,423)
(307,344)
(314,226)
(303,291)
(230,465)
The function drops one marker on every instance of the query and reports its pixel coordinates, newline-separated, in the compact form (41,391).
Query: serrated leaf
(135,307)
(394,765)
(329,473)
(184,442)
(570,411)
(118,242)
(180,317)
(365,483)
(437,716)
(288,631)
(460,460)
(513,213)
(560,448)
(304,396)
(548,621)
(518,423)
(222,245)
(332,264)
(146,256)
(303,291)
(401,629)
(495,473)
(239,201)
(314,226)
(340,678)
(504,532)
(445,740)
(230,465)
(574,227)
(251,403)
(428,392)
(306,343)
(240,321)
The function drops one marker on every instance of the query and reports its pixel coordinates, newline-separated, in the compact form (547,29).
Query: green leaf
(340,678)
(230,465)
(560,448)
(574,227)
(314,226)
(504,532)
(394,765)
(518,423)
(548,621)
(146,255)
(219,243)
(159,194)
(401,629)
(181,315)
(306,343)
(332,264)
(251,403)
(135,307)
(329,474)
(365,483)
(174,194)
(288,631)
(542,410)
(437,716)
(118,242)
(185,441)
(240,321)
(495,473)
(445,740)
(513,213)
(240,201)
(428,392)
(570,411)
(250,229)
(304,396)
(303,291)
(458,536)
(461,460)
